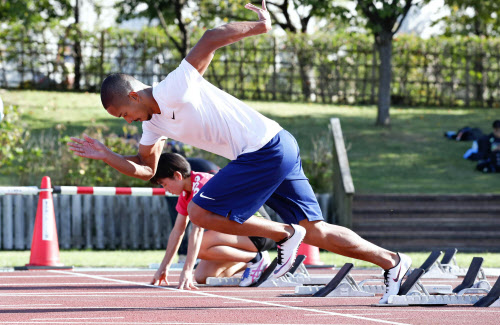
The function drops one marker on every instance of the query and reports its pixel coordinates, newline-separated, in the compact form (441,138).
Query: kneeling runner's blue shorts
(272,175)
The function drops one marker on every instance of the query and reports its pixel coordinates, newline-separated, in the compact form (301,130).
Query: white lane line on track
(181,294)
(138,308)
(64,283)
(239,299)
(35,276)
(140,323)
(56,283)
(32,305)
(86,292)
(361,314)
(70,276)
(108,296)
(238,302)
(413,309)
(252,290)
(76,318)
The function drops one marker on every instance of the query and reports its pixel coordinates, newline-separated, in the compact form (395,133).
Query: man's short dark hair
(496,124)
(168,164)
(115,88)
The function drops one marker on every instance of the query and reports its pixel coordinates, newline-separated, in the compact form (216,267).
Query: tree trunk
(478,82)
(384,44)
(77,48)
(303,61)
(182,27)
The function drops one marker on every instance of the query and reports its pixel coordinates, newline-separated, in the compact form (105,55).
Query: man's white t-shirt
(197,113)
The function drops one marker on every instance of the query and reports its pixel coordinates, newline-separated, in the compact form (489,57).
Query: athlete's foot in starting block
(254,271)
(394,276)
(287,251)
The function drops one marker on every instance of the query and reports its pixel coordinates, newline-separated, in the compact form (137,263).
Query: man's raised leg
(343,241)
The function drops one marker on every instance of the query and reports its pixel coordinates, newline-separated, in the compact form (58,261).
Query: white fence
(99,222)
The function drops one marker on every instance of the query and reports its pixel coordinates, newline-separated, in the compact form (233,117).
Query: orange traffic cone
(45,245)
(311,253)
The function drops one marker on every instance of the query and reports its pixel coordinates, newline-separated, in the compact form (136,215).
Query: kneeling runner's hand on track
(186,281)
(159,276)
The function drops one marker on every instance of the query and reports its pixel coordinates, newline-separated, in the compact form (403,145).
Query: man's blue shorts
(272,175)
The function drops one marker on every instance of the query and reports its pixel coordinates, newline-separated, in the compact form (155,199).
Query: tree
(31,12)
(293,16)
(305,10)
(28,20)
(471,17)
(384,17)
(168,12)
(474,18)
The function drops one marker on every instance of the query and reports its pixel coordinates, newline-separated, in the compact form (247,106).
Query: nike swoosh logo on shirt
(173,115)
(205,197)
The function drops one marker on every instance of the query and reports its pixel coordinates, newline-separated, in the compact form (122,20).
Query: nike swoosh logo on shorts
(205,197)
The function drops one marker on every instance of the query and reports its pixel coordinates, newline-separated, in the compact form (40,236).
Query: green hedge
(325,67)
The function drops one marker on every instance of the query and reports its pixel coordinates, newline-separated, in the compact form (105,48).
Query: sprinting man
(221,255)
(265,163)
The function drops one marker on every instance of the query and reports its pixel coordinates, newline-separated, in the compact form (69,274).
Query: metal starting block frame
(305,284)
(412,292)
(492,298)
(349,288)
(431,260)
(434,269)
(346,286)
(448,267)
(297,272)
(222,282)
(341,285)
(380,289)
(296,275)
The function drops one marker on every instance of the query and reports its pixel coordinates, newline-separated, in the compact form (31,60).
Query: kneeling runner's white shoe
(287,251)
(394,276)
(254,270)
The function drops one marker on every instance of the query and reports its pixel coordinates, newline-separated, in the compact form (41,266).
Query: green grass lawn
(145,258)
(410,157)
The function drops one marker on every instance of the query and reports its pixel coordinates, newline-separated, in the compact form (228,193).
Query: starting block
(342,285)
(430,288)
(296,276)
(475,272)
(492,298)
(298,270)
(412,292)
(306,284)
(448,267)
(222,282)
(349,288)
(292,278)
(433,269)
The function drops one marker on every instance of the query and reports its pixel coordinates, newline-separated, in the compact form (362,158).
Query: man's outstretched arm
(202,53)
(143,165)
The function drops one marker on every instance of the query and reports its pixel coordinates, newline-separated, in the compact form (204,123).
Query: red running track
(124,297)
